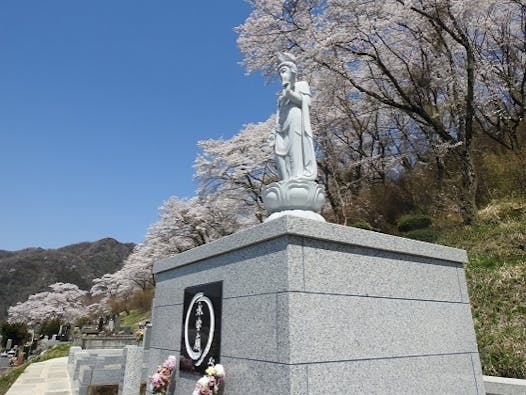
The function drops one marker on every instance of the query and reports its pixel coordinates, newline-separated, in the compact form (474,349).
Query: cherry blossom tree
(64,301)
(238,168)
(231,174)
(182,224)
(104,291)
(449,69)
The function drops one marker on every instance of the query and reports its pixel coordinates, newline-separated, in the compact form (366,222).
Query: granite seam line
(331,294)
(163,265)
(167,351)
(460,288)
(399,254)
(167,305)
(303,261)
(275,327)
(353,360)
(340,294)
(474,374)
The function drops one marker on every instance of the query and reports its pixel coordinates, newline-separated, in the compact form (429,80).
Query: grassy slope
(496,275)
(134,318)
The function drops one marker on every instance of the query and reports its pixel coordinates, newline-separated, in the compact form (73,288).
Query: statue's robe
(294,136)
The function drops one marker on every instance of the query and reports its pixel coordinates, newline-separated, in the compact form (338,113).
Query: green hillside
(496,275)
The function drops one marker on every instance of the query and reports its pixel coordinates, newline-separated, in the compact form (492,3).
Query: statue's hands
(272,138)
(287,91)
(289,94)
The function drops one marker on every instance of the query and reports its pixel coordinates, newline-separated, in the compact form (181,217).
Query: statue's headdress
(287,59)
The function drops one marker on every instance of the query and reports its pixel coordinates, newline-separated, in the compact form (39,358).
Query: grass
(7,380)
(496,276)
(134,318)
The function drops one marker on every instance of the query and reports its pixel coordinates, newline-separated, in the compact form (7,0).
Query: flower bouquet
(139,335)
(212,382)
(160,381)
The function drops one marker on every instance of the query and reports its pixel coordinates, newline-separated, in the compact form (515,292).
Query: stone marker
(297,306)
(132,372)
(147,336)
(313,308)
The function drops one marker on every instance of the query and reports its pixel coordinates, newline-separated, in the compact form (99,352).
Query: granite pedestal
(314,308)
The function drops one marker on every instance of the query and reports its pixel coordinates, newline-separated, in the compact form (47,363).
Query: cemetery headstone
(308,307)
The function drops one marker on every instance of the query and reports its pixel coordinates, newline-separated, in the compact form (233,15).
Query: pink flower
(170,362)
(200,390)
(157,380)
(211,382)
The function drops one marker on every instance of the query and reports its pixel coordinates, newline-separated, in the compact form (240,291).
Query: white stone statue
(292,137)
(297,192)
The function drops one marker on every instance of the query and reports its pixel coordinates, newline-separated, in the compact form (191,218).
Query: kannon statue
(292,138)
(297,191)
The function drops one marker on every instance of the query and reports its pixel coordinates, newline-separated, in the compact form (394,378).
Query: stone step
(43,378)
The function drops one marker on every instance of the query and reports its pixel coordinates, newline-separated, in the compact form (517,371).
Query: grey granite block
(158,355)
(132,372)
(166,332)
(303,299)
(294,226)
(245,376)
(345,269)
(145,365)
(85,374)
(185,384)
(443,374)
(155,358)
(284,340)
(72,351)
(477,372)
(335,327)
(106,376)
(366,238)
(261,268)
(504,386)
(250,327)
(463,285)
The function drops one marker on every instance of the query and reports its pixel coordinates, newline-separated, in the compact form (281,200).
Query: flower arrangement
(139,335)
(160,381)
(211,383)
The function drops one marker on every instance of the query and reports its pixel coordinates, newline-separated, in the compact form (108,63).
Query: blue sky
(101,106)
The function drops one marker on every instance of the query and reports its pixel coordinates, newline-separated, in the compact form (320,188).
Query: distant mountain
(32,270)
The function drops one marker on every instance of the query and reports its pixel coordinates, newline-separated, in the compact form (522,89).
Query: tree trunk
(468,205)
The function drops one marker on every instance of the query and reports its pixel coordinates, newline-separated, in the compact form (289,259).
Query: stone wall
(98,342)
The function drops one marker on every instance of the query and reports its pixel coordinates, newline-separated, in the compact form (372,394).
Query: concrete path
(43,378)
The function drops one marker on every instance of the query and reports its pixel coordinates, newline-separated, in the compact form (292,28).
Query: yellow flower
(210,371)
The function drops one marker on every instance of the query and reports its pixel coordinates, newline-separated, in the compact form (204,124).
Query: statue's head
(287,68)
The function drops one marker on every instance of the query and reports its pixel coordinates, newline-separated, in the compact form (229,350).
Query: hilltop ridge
(31,270)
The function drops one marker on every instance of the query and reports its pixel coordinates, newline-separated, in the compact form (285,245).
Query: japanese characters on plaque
(201,332)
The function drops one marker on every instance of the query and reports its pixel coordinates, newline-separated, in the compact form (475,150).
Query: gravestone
(316,308)
(132,371)
(298,306)
(117,323)
(9,344)
(147,336)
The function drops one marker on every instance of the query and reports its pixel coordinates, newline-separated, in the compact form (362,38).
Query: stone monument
(298,306)
(297,192)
